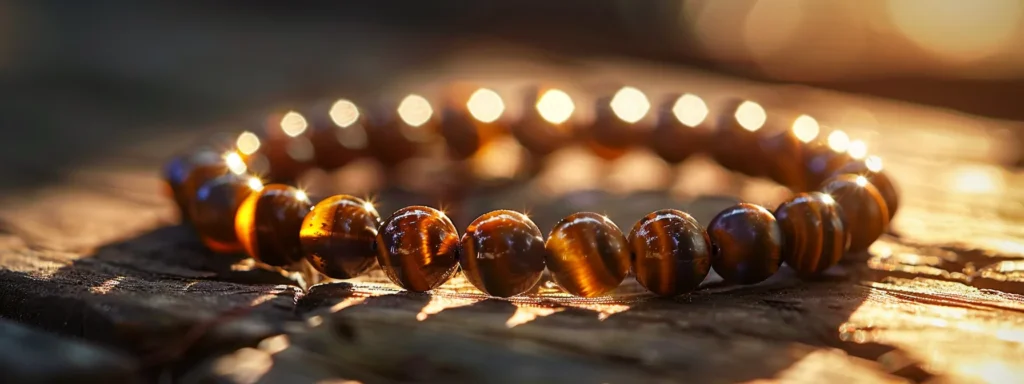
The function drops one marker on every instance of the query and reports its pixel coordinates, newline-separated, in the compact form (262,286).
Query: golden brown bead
(815,237)
(821,162)
(876,177)
(417,247)
(396,133)
(865,214)
(747,244)
(285,146)
(735,143)
(214,207)
(542,135)
(671,252)
(503,253)
(337,134)
(783,154)
(338,234)
(268,224)
(587,254)
(618,123)
(674,139)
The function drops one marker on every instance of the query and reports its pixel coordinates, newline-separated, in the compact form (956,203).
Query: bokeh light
(293,124)
(485,105)
(806,128)
(958,30)
(751,116)
(255,184)
(873,163)
(247,143)
(415,110)
(630,104)
(839,141)
(235,163)
(344,113)
(690,109)
(555,106)
(857,150)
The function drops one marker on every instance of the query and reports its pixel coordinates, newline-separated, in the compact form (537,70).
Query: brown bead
(878,178)
(338,234)
(184,174)
(864,212)
(815,237)
(671,252)
(538,135)
(609,136)
(783,153)
(503,253)
(821,162)
(587,254)
(675,141)
(417,247)
(747,244)
(734,146)
(268,224)
(214,207)
(464,134)
(337,134)
(393,140)
(285,146)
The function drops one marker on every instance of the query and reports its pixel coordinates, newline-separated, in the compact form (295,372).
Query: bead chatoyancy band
(503,253)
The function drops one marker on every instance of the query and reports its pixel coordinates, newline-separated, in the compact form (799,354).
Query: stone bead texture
(268,224)
(213,209)
(671,252)
(814,235)
(864,212)
(338,235)
(747,244)
(587,254)
(418,247)
(503,253)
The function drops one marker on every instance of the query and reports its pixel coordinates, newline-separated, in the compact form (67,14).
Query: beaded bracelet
(503,253)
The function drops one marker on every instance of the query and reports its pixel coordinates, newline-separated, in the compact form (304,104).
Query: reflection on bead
(747,244)
(618,123)
(213,210)
(545,125)
(672,253)
(338,234)
(587,254)
(395,135)
(783,151)
(876,177)
(338,135)
(268,224)
(184,174)
(734,144)
(417,247)
(815,237)
(503,253)
(865,214)
(681,129)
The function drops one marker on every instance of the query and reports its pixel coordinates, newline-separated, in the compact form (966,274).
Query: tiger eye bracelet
(843,201)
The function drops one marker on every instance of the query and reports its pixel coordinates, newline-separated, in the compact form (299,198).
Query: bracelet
(503,253)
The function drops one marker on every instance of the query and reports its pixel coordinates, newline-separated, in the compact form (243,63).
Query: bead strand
(503,253)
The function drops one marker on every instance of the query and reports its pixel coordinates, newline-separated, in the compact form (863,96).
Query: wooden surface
(96,255)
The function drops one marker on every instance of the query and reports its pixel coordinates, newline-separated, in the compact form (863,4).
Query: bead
(747,244)
(734,143)
(286,146)
(503,253)
(671,252)
(820,162)
(337,236)
(813,231)
(184,174)
(876,177)
(682,129)
(338,134)
(587,254)
(545,125)
(268,224)
(864,212)
(395,135)
(214,207)
(417,247)
(618,123)
(783,149)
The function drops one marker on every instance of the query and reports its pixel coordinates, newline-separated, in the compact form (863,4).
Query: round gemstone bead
(878,178)
(184,174)
(338,135)
(747,244)
(418,247)
(503,253)
(821,162)
(268,224)
(338,234)
(671,252)
(393,137)
(813,231)
(674,140)
(784,156)
(587,254)
(610,135)
(536,133)
(214,207)
(735,139)
(864,212)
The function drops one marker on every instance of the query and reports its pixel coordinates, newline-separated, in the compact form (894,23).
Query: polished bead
(338,234)
(820,162)
(285,146)
(783,155)
(396,134)
(876,177)
(214,207)
(735,140)
(470,121)
(268,224)
(747,244)
(680,132)
(337,134)
(502,253)
(813,231)
(185,173)
(618,123)
(545,125)
(418,247)
(671,252)
(865,214)
(587,254)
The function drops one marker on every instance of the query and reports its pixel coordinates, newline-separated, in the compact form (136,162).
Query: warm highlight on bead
(502,253)
(587,254)
(418,247)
